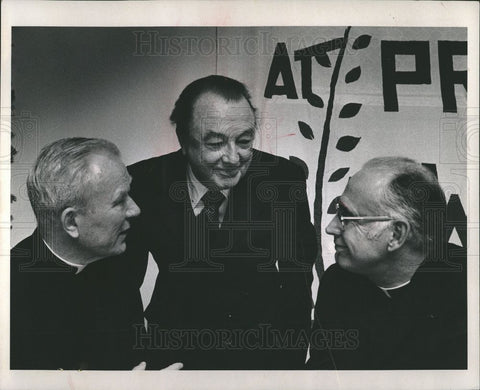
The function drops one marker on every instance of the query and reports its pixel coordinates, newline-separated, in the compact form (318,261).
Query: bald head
(389,202)
(406,190)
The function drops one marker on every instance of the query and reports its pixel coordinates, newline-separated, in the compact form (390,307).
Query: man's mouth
(125,231)
(230,173)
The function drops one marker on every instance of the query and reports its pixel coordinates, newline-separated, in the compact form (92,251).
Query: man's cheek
(209,157)
(246,155)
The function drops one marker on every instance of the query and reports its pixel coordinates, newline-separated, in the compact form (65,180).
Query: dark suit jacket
(423,325)
(60,319)
(219,301)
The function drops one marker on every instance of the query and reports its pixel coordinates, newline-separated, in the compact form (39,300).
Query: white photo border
(240,13)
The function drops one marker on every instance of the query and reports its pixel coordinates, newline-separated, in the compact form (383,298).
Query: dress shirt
(196,190)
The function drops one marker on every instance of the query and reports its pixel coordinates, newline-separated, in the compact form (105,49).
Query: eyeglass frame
(370,218)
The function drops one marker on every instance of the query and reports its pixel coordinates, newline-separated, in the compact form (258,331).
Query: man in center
(235,246)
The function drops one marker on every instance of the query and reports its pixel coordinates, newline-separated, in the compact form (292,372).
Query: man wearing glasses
(396,297)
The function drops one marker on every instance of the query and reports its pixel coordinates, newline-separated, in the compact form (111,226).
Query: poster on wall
(280,115)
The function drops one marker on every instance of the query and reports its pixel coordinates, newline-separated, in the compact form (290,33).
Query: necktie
(212,201)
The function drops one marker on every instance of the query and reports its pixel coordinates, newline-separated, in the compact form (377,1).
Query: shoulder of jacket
(151,165)
(26,243)
(278,165)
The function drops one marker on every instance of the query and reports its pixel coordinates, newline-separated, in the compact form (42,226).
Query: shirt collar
(79,267)
(387,289)
(196,189)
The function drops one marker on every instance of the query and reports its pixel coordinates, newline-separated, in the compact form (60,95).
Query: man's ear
(183,146)
(400,233)
(68,219)
(181,141)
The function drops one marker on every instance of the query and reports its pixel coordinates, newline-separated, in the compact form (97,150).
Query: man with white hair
(69,310)
(396,297)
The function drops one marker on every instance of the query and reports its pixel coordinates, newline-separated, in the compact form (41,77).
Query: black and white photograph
(239,195)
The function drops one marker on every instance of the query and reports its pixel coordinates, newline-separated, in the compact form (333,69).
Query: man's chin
(342,260)
(224,183)
(119,249)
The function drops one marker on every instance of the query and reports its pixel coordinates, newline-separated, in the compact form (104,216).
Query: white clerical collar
(196,189)
(79,267)
(387,289)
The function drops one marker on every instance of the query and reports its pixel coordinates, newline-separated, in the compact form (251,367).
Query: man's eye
(344,212)
(244,142)
(214,145)
(120,201)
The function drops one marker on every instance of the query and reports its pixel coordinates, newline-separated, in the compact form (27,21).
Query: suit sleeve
(320,354)
(137,251)
(297,272)
(137,247)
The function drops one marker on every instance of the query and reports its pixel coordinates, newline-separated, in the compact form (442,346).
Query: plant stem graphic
(322,157)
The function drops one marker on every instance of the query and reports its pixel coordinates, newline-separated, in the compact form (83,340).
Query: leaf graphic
(347,143)
(353,75)
(323,60)
(362,42)
(332,209)
(305,130)
(315,100)
(432,168)
(338,174)
(349,110)
(301,164)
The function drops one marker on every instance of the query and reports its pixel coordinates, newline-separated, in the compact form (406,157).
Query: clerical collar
(79,267)
(387,289)
(196,190)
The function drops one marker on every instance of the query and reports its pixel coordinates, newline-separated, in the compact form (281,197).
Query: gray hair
(61,171)
(412,193)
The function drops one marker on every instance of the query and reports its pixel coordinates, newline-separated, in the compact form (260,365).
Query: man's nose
(335,227)
(133,210)
(230,154)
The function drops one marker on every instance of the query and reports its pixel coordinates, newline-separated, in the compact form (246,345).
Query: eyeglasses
(344,215)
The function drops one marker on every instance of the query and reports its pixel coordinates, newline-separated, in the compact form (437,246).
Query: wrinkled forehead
(364,191)
(213,110)
(210,101)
